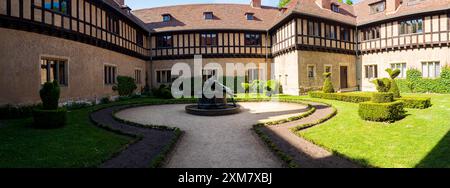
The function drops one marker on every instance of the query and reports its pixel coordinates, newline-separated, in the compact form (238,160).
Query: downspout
(150,74)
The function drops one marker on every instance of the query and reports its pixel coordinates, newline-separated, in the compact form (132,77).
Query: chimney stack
(392,5)
(120,2)
(326,4)
(255,3)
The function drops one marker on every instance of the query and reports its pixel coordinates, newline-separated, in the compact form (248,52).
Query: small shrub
(382,97)
(163,92)
(13,112)
(105,100)
(246,87)
(125,85)
(327,84)
(381,112)
(49,94)
(49,116)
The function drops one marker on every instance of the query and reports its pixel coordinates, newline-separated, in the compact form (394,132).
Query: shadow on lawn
(439,156)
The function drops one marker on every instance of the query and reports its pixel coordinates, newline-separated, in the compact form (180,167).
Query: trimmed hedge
(47,119)
(346,97)
(409,102)
(414,83)
(381,112)
(416,102)
(382,97)
(14,112)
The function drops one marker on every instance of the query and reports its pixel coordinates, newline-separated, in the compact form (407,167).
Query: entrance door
(343,75)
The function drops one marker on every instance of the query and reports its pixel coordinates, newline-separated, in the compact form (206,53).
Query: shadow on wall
(439,156)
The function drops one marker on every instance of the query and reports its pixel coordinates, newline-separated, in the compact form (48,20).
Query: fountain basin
(226,109)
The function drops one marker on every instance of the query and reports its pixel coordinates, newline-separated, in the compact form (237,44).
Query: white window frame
(314,71)
(436,72)
(367,71)
(394,65)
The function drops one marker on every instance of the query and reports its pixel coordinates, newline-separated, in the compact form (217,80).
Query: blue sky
(139,4)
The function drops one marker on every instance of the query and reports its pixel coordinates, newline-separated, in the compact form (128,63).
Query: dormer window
(166,17)
(208,15)
(249,16)
(335,8)
(377,7)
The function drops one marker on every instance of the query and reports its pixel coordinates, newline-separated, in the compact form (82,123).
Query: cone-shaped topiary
(383,84)
(327,84)
(394,88)
(50,94)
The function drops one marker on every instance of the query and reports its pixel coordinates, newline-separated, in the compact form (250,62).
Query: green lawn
(422,139)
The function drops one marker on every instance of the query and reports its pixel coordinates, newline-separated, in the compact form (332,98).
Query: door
(344,77)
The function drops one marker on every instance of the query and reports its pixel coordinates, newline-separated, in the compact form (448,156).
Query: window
(208,15)
(164,41)
(431,69)
(413,2)
(311,71)
(313,28)
(327,68)
(411,26)
(249,16)
(344,34)
(110,73)
(166,17)
(371,33)
(61,6)
(163,76)
(371,71)
(112,24)
(335,8)
(52,69)
(137,76)
(208,39)
(377,7)
(252,39)
(252,74)
(139,39)
(401,67)
(330,32)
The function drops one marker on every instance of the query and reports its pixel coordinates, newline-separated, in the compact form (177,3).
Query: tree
(283,3)
(349,2)
(327,84)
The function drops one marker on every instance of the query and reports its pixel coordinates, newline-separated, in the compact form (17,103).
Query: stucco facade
(20,75)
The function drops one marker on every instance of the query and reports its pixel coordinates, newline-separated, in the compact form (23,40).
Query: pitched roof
(133,18)
(311,8)
(226,16)
(364,16)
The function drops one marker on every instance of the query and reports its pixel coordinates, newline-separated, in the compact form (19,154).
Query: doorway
(344,76)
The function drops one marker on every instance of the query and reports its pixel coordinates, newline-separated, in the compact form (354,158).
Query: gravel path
(304,153)
(137,155)
(214,142)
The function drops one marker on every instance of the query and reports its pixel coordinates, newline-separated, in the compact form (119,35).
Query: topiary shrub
(50,116)
(393,74)
(163,92)
(246,87)
(381,112)
(382,97)
(272,87)
(49,94)
(125,86)
(416,102)
(327,84)
(382,84)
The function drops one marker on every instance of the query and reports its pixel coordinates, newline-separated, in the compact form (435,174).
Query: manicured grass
(78,144)
(422,139)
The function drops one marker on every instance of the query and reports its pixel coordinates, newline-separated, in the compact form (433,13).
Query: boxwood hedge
(381,112)
(382,97)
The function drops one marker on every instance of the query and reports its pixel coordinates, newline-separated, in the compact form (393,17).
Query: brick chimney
(120,2)
(392,5)
(326,4)
(255,3)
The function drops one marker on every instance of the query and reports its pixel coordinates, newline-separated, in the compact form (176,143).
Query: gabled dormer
(166,17)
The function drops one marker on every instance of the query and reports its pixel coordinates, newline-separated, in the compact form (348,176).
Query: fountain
(214,106)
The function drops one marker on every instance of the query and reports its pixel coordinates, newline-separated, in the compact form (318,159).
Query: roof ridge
(203,4)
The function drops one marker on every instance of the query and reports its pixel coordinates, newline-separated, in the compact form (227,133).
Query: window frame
(249,16)
(163,79)
(59,10)
(108,78)
(373,72)
(166,38)
(313,27)
(436,74)
(313,71)
(407,27)
(378,3)
(208,15)
(403,70)
(325,68)
(138,75)
(248,38)
(214,41)
(56,73)
(166,17)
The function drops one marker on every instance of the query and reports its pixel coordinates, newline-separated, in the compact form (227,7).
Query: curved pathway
(215,142)
(303,152)
(137,155)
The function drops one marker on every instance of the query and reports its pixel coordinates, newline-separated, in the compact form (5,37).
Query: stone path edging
(147,151)
(297,151)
